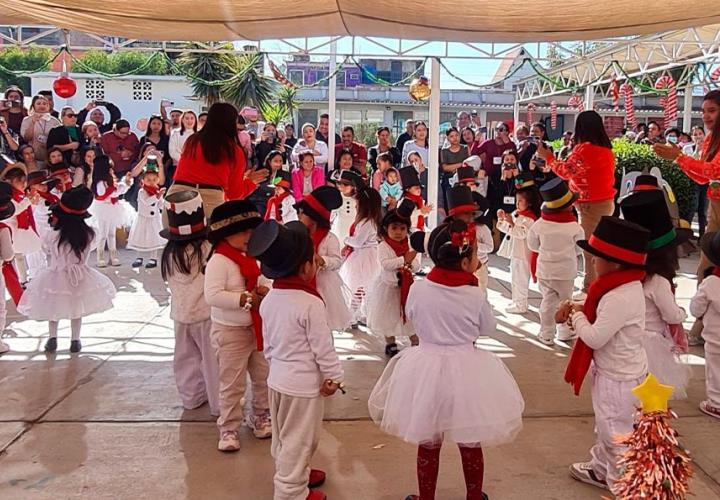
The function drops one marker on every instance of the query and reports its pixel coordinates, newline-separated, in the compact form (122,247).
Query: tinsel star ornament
(653,395)
(420,89)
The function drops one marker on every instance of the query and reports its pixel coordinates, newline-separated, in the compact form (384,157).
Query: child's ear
(465,265)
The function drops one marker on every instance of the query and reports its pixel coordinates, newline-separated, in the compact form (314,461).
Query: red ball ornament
(64,87)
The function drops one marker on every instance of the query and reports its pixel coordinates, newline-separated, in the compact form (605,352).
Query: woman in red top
(590,171)
(213,163)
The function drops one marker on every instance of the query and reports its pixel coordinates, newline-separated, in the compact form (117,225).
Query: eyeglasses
(501,129)
(70,115)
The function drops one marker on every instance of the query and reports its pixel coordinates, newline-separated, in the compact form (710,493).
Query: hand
(35,198)
(128,179)
(90,105)
(563,312)
(501,214)
(544,152)
(257,176)
(262,290)
(577,307)
(328,388)
(347,250)
(410,256)
(5,105)
(667,151)
(427,209)
(319,261)
(533,164)
(481,174)
(392,202)
(3,127)
(161,193)
(315,152)
(74,145)
(149,151)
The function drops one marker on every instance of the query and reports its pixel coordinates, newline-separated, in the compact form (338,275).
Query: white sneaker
(580,297)
(4,347)
(583,472)
(516,309)
(101,263)
(567,337)
(229,441)
(260,425)
(546,341)
(708,409)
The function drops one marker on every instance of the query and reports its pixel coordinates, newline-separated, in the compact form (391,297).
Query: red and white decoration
(531,108)
(553,114)
(715,75)
(627,93)
(615,92)
(278,75)
(668,102)
(577,102)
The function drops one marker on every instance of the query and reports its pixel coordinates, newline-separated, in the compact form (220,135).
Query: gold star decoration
(653,395)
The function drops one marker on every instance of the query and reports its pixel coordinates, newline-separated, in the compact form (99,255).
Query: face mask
(672,139)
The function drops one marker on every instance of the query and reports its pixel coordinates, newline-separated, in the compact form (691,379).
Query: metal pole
(516,116)
(589,97)
(434,141)
(332,106)
(687,108)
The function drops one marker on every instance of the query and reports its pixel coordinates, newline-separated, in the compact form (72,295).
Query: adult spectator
(568,145)
(202,118)
(90,137)
(36,127)
(121,145)
(463,120)
(178,137)
(700,201)
(67,137)
(590,170)
(418,144)
(97,116)
(83,172)
(9,140)
(405,136)
(310,142)
(528,146)
(323,129)
(475,121)
(358,150)
(269,141)
(383,146)
(13,109)
(26,155)
(252,125)
(491,152)
(290,139)
(451,158)
(156,134)
(214,164)
(307,175)
(654,134)
(672,135)
(49,96)
(467,137)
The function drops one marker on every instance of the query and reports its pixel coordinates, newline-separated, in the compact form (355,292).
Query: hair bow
(463,239)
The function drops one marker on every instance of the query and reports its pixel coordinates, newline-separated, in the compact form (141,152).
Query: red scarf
(716,271)
(347,250)
(50,198)
(533,255)
(108,193)
(405,276)
(451,277)
(418,200)
(25,219)
(151,190)
(564,216)
(12,281)
(582,355)
(295,283)
(275,202)
(251,272)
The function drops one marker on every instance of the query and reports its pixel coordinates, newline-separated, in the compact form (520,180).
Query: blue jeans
(699,205)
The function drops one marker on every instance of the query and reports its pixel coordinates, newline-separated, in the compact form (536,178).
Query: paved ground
(109,424)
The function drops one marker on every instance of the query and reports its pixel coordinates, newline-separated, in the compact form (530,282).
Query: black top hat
(619,241)
(57,169)
(649,209)
(319,204)
(186,216)
(352,177)
(460,200)
(280,249)
(75,201)
(409,177)
(401,214)
(418,241)
(556,195)
(710,245)
(646,182)
(38,177)
(524,180)
(233,217)
(283,179)
(481,214)
(466,174)
(7,208)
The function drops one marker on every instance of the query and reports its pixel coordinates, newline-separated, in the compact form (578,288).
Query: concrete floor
(108,423)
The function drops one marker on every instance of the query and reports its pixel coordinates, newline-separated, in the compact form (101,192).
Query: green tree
(251,87)
(32,59)
(114,63)
(287,97)
(206,67)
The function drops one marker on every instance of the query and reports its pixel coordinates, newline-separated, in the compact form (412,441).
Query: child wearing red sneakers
(304,367)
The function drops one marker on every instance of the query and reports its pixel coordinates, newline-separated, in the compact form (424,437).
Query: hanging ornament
(615,92)
(627,92)
(279,76)
(64,86)
(419,89)
(669,102)
(553,114)
(531,108)
(576,102)
(715,75)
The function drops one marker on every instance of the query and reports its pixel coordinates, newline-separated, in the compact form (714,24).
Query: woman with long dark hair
(590,170)
(179,136)
(213,163)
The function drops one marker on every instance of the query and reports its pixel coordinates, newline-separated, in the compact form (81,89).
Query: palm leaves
(275,113)
(286,96)
(250,87)
(207,67)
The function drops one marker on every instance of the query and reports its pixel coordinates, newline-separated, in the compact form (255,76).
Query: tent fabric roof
(442,20)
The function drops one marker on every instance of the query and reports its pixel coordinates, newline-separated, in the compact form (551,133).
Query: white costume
(445,388)
(41,213)
(513,247)
(361,266)
(344,217)
(6,254)
(287,210)
(706,304)
(145,231)
(384,311)
(68,288)
(485,246)
(331,286)
(108,215)
(25,240)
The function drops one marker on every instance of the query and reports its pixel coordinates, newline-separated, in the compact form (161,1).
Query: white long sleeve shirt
(187,295)
(176,143)
(365,235)
(706,304)
(6,247)
(485,242)
(298,343)
(618,334)
(329,250)
(287,209)
(515,247)
(320,147)
(555,243)
(390,263)
(660,306)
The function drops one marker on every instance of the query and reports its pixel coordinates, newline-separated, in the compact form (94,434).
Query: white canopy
(442,20)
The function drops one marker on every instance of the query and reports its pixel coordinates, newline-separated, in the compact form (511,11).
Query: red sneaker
(316,495)
(317,478)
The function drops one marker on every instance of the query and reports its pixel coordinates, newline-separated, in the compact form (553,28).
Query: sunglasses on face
(70,115)
(501,129)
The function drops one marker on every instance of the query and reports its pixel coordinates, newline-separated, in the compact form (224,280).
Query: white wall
(120,93)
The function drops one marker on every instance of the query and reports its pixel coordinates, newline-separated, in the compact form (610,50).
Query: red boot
(316,495)
(317,478)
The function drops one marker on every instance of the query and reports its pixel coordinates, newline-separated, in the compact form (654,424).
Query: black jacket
(115,115)
(59,136)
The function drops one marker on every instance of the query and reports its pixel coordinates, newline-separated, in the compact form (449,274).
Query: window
(95,90)
(355,76)
(297,76)
(399,118)
(142,91)
(384,65)
(320,75)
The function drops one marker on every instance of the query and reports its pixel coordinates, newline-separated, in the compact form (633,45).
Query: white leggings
(110,239)
(75,325)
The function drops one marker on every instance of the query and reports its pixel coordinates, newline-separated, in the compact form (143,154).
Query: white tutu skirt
(145,234)
(26,241)
(107,217)
(384,313)
(360,268)
(333,291)
(665,364)
(430,393)
(69,293)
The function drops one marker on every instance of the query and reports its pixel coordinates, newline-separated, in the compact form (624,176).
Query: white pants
(520,277)
(614,406)
(3,308)
(483,276)
(712,377)
(196,366)
(553,292)
(296,426)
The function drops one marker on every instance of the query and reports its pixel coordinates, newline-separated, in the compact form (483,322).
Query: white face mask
(672,139)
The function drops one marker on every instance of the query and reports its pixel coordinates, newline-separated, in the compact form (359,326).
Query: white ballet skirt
(108,216)
(145,231)
(361,267)
(665,364)
(445,388)
(331,286)
(68,288)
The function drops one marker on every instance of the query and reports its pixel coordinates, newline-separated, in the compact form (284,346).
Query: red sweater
(703,172)
(590,171)
(195,169)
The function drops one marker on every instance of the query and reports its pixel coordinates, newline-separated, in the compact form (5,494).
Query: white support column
(687,108)
(589,97)
(332,92)
(434,141)
(516,116)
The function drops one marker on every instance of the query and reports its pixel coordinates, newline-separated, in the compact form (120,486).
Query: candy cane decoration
(531,108)
(715,75)
(577,103)
(553,114)
(669,102)
(615,95)
(278,75)
(627,92)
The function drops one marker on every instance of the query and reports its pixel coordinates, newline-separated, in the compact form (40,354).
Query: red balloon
(64,87)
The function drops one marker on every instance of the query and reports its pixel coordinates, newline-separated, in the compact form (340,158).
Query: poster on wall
(614,126)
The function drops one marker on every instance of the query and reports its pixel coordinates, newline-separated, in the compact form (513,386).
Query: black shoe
(137,262)
(391,349)
(75,346)
(152,263)
(51,345)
